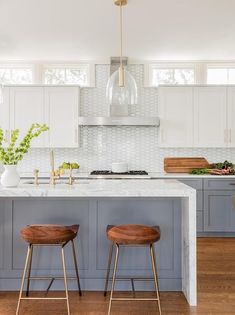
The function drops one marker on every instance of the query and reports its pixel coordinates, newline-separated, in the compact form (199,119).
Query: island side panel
(164,212)
(189,257)
(93,215)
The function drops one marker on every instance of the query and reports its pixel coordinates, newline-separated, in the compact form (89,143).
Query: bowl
(119,167)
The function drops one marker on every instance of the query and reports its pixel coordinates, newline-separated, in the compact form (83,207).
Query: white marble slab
(103,188)
(127,189)
(156,175)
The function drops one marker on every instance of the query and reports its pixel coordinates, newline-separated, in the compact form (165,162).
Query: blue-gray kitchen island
(94,204)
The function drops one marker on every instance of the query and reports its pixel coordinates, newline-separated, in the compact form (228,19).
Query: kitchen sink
(59,182)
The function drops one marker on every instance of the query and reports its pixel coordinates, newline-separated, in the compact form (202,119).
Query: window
(221,75)
(170,74)
(66,74)
(16,74)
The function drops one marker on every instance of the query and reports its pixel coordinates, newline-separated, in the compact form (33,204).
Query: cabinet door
(62,105)
(219,211)
(231,117)
(176,114)
(27,108)
(5,111)
(210,116)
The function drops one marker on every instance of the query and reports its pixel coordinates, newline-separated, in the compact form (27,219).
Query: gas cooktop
(110,174)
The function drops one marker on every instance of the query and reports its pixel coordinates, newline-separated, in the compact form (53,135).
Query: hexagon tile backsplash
(100,146)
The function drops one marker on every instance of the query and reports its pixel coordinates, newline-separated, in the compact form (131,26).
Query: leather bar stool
(48,235)
(132,235)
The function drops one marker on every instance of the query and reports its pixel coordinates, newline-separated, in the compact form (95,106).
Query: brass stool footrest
(131,278)
(52,280)
(134,299)
(43,298)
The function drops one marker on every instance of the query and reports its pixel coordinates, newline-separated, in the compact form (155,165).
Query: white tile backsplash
(100,146)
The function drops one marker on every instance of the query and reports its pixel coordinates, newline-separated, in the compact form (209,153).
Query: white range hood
(118,121)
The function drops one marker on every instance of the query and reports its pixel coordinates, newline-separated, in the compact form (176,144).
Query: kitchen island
(94,204)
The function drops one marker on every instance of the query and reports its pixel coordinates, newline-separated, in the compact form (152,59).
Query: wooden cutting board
(184,165)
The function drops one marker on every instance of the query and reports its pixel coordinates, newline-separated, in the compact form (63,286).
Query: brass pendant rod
(120,3)
(121,35)
(121,69)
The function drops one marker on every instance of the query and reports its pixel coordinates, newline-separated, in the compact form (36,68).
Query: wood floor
(216,291)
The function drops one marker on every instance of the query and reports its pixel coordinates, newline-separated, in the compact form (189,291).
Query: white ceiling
(88,29)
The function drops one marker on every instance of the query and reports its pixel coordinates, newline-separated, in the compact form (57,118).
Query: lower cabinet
(198,185)
(200,227)
(215,205)
(219,211)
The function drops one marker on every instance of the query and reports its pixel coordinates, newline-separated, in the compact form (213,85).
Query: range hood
(118,121)
(118,115)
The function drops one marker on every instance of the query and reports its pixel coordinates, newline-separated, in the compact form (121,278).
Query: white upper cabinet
(26,108)
(210,116)
(199,116)
(176,116)
(62,106)
(231,117)
(5,111)
(58,107)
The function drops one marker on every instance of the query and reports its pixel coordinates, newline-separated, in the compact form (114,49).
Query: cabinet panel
(62,116)
(231,117)
(200,221)
(194,183)
(65,212)
(176,114)
(219,184)
(26,108)
(198,185)
(165,213)
(5,110)
(210,116)
(219,214)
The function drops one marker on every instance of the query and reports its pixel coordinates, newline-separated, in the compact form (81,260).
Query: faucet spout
(53,175)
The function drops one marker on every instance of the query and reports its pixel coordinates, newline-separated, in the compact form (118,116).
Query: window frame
(168,65)
(219,65)
(89,67)
(37,71)
(13,65)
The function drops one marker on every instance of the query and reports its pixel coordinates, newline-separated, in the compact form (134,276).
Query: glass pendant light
(121,88)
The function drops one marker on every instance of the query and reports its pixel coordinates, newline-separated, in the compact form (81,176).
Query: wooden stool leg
(65,279)
(108,269)
(76,268)
(154,266)
(114,278)
(29,271)
(23,277)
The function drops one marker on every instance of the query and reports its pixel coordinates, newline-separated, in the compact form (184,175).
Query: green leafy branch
(12,154)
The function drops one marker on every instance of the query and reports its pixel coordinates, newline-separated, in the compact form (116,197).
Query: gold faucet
(71,179)
(36,172)
(54,175)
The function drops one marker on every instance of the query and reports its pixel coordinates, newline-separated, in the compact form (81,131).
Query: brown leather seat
(49,234)
(132,234)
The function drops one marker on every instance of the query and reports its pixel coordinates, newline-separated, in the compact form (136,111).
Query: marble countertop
(103,188)
(189,176)
(154,175)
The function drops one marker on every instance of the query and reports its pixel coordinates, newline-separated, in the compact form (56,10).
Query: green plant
(12,154)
